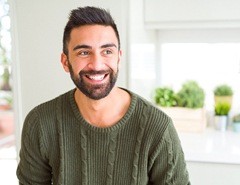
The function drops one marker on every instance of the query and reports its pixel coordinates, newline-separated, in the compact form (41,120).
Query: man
(98,134)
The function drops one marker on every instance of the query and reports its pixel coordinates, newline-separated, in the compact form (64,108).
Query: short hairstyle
(87,16)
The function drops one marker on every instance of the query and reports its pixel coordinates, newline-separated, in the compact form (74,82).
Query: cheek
(113,63)
(111,66)
(77,67)
(117,64)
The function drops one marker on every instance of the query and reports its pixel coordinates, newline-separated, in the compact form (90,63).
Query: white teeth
(96,77)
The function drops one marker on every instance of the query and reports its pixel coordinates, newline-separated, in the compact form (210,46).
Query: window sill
(211,146)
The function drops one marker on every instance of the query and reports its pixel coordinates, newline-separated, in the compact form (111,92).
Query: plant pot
(221,122)
(223,99)
(186,119)
(236,126)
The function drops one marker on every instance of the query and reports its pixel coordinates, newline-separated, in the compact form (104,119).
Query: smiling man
(98,133)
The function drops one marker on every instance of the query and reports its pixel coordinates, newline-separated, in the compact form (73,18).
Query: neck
(106,111)
(91,104)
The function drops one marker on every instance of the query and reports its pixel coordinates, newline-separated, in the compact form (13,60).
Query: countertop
(211,146)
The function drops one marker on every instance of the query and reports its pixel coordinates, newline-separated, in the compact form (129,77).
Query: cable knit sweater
(59,147)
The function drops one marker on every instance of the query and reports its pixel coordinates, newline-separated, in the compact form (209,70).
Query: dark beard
(95,92)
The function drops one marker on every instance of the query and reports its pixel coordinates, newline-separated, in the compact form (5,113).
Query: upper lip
(94,73)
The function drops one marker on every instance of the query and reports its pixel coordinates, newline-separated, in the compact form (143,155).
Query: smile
(96,77)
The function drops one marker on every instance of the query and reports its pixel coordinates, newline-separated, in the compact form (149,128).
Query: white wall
(188,14)
(139,39)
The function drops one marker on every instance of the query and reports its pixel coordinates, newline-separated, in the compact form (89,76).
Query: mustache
(93,72)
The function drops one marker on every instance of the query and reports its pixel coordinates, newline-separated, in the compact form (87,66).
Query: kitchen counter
(211,146)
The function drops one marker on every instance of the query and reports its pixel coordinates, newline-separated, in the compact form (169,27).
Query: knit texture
(59,147)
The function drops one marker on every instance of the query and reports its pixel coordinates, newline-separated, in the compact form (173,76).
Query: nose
(96,62)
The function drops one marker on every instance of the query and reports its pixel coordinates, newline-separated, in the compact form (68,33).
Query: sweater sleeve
(33,167)
(168,166)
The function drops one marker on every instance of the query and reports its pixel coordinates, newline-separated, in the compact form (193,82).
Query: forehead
(92,35)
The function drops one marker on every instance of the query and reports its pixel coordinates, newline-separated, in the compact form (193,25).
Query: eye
(83,53)
(107,52)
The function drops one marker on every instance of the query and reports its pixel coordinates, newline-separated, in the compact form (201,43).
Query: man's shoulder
(156,122)
(45,114)
(52,104)
(50,107)
(149,113)
(152,109)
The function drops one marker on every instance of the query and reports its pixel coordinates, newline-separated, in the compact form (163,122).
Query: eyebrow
(81,46)
(109,45)
(89,47)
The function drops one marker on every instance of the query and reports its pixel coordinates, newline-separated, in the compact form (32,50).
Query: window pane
(210,64)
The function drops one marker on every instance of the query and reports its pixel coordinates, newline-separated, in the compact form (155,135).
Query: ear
(119,56)
(64,61)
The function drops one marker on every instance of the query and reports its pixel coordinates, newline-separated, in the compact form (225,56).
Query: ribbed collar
(116,126)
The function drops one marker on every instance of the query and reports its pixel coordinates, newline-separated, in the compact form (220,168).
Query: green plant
(191,95)
(222,108)
(223,90)
(165,97)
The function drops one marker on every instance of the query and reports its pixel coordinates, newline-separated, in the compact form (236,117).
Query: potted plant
(223,93)
(187,107)
(191,95)
(165,97)
(221,115)
(6,78)
(236,123)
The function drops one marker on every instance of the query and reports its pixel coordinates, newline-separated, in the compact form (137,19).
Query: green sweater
(59,147)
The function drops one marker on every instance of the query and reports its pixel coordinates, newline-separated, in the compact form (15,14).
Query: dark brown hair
(87,16)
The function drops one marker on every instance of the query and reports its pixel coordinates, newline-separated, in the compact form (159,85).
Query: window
(7,139)
(210,64)
(210,57)
(5,59)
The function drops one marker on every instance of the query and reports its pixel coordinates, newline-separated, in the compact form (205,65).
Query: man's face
(93,58)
